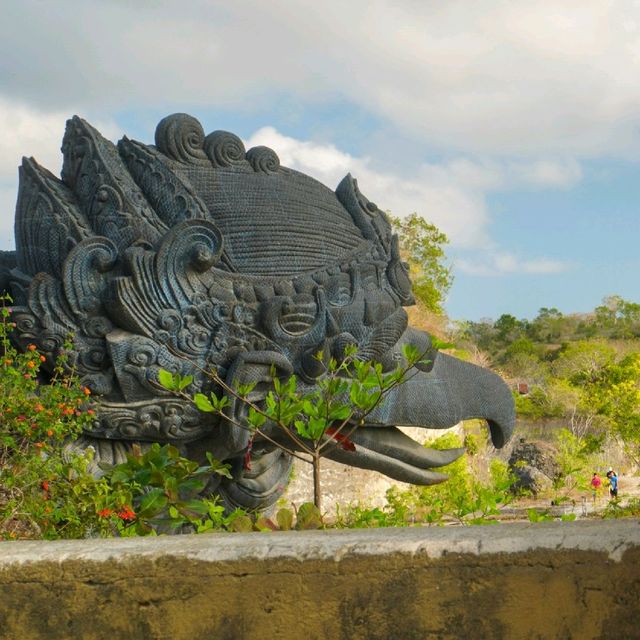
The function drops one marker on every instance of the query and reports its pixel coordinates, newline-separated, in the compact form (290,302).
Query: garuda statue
(195,253)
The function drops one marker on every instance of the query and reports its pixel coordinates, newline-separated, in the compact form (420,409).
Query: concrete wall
(552,580)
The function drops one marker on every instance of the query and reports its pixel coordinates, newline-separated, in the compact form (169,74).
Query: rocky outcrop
(534,465)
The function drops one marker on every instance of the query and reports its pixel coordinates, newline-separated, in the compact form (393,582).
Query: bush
(46,490)
(39,483)
(463,499)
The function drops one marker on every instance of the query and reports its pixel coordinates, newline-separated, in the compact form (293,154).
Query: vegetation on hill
(582,371)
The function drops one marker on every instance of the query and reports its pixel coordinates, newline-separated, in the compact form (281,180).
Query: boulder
(534,465)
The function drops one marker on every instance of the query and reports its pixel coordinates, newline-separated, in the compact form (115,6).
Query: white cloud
(24,130)
(7,208)
(546,173)
(494,262)
(515,78)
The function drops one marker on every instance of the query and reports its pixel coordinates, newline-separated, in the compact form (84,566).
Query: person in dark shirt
(613,483)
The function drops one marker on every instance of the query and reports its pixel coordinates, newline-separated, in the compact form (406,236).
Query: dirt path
(344,485)
(581,504)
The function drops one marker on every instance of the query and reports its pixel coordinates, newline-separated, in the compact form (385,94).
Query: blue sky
(512,125)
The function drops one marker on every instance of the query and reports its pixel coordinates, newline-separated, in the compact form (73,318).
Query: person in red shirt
(596,483)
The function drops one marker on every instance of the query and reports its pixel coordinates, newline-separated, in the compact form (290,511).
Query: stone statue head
(195,253)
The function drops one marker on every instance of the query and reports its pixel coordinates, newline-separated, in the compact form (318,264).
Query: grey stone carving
(194,253)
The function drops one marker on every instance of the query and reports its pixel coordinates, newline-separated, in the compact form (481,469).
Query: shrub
(39,482)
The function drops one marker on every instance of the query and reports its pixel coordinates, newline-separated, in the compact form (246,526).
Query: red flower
(247,456)
(344,442)
(105,513)
(126,513)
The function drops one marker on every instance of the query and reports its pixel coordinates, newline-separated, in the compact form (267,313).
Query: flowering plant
(39,481)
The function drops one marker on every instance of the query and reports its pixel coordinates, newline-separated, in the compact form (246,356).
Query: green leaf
(152,503)
(219,403)
(241,523)
(265,524)
(301,428)
(411,353)
(203,403)
(245,389)
(224,470)
(354,392)
(255,419)
(193,508)
(309,517)
(284,518)
(317,427)
(436,343)
(166,379)
(192,487)
(171,488)
(309,408)
(340,412)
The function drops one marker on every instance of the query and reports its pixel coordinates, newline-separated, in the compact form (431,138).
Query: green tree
(421,245)
(615,395)
(583,361)
(548,326)
(509,328)
(618,318)
(306,423)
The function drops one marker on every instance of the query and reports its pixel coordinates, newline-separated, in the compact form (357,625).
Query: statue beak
(453,390)
(437,397)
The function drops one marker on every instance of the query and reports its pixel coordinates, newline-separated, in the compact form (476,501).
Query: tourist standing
(613,484)
(596,483)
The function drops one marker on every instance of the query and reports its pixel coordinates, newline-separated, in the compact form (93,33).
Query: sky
(513,126)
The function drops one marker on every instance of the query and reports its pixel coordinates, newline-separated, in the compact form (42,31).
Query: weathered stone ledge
(610,537)
(548,580)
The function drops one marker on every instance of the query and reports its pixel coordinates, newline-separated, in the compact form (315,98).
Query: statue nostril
(312,363)
(340,345)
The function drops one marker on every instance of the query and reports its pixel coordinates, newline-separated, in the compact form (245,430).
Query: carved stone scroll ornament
(195,253)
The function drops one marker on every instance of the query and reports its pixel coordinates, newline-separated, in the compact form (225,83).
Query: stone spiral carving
(181,137)
(263,159)
(224,149)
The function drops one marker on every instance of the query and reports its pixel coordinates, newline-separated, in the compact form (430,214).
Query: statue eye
(339,290)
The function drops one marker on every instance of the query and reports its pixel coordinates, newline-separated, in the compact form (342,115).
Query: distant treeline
(614,319)
(580,369)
